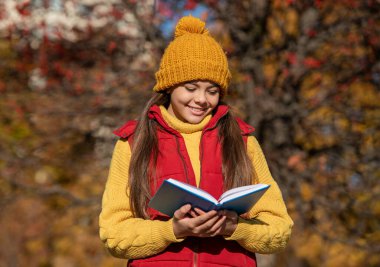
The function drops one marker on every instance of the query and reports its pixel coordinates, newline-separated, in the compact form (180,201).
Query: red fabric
(174,162)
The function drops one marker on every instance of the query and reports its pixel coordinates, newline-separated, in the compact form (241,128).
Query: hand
(188,222)
(230,221)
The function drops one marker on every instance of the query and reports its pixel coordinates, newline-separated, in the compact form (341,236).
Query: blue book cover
(173,194)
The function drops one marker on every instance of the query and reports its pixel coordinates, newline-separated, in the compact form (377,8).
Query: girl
(186,132)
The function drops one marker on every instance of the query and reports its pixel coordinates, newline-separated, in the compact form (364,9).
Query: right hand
(187,223)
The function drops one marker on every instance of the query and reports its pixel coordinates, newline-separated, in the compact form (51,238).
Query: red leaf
(2,87)
(78,89)
(19,110)
(111,47)
(312,62)
(374,40)
(211,2)
(289,2)
(117,14)
(247,78)
(97,101)
(292,58)
(311,32)
(99,77)
(58,68)
(318,3)
(353,3)
(69,74)
(22,8)
(190,4)
(285,72)
(258,90)
(58,34)
(338,98)
(164,9)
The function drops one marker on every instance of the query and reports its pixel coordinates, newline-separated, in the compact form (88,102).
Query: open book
(173,194)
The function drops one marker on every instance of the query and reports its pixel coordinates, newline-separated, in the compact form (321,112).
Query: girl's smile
(197,111)
(193,101)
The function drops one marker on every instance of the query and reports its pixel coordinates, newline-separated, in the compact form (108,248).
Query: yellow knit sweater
(267,230)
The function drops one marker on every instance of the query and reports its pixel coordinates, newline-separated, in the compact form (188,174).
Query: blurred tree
(71,71)
(307,77)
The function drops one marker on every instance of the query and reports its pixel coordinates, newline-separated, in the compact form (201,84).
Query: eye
(213,91)
(190,89)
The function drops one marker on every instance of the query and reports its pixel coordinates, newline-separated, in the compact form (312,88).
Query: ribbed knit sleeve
(269,227)
(123,235)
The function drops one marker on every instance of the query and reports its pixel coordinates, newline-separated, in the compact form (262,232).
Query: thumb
(182,211)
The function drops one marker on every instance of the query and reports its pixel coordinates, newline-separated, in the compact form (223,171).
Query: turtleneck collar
(155,113)
(183,127)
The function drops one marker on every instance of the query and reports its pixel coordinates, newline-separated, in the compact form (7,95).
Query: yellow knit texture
(192,55)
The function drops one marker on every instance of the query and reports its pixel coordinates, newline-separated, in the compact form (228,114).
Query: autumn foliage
(306,75)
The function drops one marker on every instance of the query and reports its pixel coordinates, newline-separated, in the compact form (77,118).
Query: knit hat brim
(191,70)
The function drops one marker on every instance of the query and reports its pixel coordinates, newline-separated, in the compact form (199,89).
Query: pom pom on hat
(190,25)
(192,55)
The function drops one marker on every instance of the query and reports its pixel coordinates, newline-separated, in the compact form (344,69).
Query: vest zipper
(195,259)
(195,255)
(182,159)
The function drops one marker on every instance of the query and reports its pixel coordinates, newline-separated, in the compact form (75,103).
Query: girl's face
(191,102)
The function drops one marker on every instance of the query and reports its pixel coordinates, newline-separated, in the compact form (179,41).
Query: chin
(195,120)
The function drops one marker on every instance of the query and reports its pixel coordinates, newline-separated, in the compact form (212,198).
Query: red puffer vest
(174,162)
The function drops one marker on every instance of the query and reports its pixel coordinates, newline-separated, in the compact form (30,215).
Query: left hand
(229,224)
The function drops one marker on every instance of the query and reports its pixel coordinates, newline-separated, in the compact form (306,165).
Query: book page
(240,191)
(193,189)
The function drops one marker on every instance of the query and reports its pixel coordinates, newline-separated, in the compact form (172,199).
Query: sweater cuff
(164,230)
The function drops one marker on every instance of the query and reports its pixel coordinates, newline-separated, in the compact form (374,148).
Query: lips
(197,111)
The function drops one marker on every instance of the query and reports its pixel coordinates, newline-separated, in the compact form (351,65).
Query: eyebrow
(208,87)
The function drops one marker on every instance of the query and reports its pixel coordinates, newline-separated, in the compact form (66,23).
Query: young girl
(185,132)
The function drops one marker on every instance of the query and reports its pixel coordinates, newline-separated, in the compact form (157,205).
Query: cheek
(214,101)
(181,97)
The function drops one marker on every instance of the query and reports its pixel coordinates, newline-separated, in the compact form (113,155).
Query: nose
(200,98)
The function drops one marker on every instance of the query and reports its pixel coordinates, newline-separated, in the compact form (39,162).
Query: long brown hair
(236,165)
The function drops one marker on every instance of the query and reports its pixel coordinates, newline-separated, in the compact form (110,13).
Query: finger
(199,211)
(216,229)
(182,212)
(217,225)
(205,226)
(217,232)
(203,217)
(196,225)
(193,213)
(230,225)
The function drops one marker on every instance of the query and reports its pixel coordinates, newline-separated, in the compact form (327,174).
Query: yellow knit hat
(192,55)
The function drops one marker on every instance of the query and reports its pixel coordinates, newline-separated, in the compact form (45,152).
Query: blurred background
(306,75)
